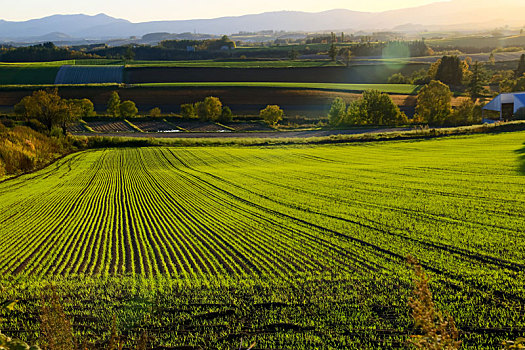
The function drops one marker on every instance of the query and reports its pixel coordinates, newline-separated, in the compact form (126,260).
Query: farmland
(404,89)
(290,246)
(243,98)
(27,74)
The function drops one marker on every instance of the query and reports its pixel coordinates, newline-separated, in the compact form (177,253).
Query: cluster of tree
(452,71)
(324,38)
(206,45)
(52,111)
(419,77)
(514,81)
(119,109)
(374,108)
(41,53)
(210,109)
(434,107)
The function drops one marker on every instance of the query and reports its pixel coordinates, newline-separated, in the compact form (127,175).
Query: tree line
(434,107)
(46,110)
(472,77)
(41,53)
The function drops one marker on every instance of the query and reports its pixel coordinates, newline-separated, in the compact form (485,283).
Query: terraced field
(236,227)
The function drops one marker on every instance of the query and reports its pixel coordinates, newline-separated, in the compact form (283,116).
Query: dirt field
(364,74)
(243,101)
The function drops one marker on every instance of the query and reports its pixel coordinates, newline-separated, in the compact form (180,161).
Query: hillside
(464,14)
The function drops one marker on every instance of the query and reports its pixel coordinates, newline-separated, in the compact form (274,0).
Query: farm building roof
(517,98)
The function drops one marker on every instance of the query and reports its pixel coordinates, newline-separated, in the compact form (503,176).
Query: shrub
(36,125)
(438,332)
(8,123)
(272,114)
(520,114)
(56,132)
(399,78)
(467,113)
(337,111)
(226,115)
(57,333)
(188,111)
(155,112)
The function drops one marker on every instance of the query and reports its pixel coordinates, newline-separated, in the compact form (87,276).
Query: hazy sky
(138,11)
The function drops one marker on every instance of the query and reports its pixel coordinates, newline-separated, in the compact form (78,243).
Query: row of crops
(90,74)
(163,126)
(297,247)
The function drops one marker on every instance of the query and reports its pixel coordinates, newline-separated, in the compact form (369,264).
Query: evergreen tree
(332,52)
(521,67)
(492,59)
(450,71)
(477,80)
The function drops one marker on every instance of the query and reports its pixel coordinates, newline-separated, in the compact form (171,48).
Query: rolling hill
(466,14)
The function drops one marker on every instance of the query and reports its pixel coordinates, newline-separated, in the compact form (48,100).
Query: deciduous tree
(114,105)
(84,107)
(188,111)
(128,109)
(226,115)
(337,111)
(272,114)
(48,108)
(434,103)
(209,109)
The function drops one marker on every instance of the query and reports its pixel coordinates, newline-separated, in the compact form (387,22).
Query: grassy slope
(344,213)
(22,149)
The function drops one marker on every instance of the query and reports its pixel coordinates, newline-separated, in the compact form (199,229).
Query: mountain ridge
(452,13)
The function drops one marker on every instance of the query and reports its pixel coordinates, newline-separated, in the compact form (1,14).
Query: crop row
(238,219)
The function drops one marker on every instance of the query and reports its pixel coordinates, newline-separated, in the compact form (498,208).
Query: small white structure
(508,102)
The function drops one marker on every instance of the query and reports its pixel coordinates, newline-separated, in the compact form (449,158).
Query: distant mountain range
(455,14)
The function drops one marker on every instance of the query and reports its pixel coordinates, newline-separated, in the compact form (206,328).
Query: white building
(506,104)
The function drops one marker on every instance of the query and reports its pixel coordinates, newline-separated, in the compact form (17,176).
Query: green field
(27,74)
(192,63)
(294,247)
(388,88)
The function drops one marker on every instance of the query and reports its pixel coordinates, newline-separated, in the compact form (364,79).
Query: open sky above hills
(139,11)
(126,18)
